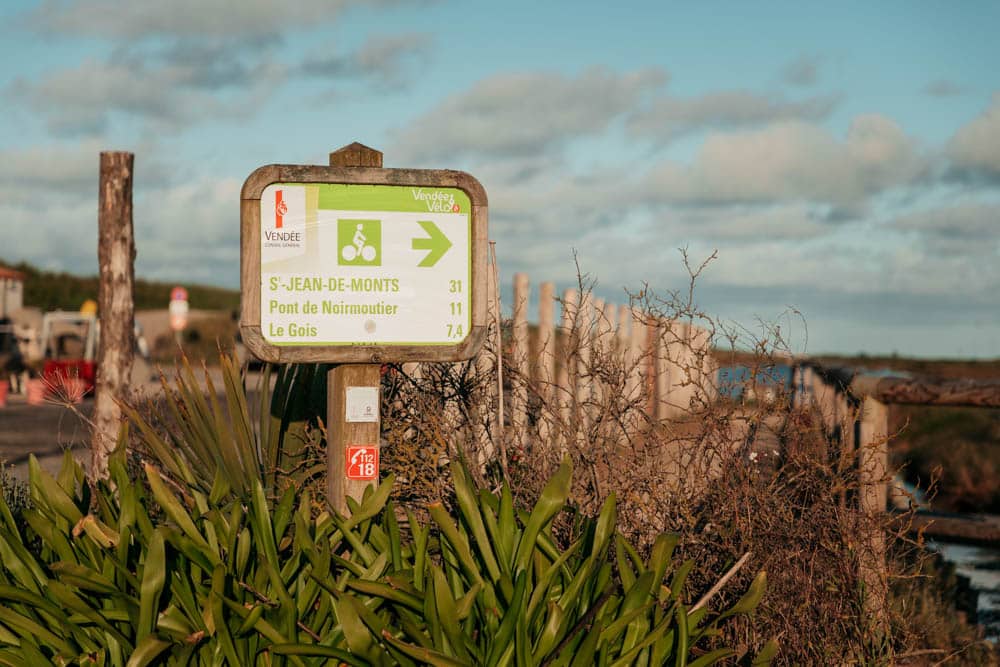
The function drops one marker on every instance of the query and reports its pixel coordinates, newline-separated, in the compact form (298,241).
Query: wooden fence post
(635,360)
(598,333)
(547,364)
(566,384)
(585,348)
(701,359)
(797,402)
(623,334)
(681,360)
(663,370)
(520,379)
(116,310)
(873,461)
(489,424)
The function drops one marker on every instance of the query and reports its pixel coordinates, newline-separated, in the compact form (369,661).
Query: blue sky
(843,159)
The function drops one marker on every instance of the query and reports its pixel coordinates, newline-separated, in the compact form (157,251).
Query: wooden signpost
(358,265)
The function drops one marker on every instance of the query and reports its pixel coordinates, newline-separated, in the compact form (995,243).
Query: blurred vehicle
(69,348)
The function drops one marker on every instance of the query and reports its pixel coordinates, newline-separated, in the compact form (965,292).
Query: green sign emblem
(359,242)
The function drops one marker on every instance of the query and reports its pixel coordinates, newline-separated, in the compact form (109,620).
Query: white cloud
(793,161)
(976,221)
(969,231)
(82,99)
(382,58)
(524,114)
(60,235)
(184,230)
(746,224)
(975,148)
(49,171)
(672,117)
(190,230)
(136,20)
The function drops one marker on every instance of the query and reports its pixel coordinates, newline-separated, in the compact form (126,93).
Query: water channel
(982,566)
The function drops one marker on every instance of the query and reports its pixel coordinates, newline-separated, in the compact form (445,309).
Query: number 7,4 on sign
(362,462)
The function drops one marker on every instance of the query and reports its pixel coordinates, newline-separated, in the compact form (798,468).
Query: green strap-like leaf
(447,613)
(45,491)
(318,651)
(456,541)
(471,513)
(147,650)
(177,513)
(749,601)
(359,639)
(426,655)
(552,500)
(766,654)
(154,575)
(24,625)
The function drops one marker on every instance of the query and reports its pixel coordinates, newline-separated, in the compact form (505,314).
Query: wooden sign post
(358,265)
(347,435)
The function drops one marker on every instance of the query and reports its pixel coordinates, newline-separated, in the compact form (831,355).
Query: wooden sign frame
(250,264)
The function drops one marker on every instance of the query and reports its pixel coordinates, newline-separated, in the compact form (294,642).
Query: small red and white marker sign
(178,308)
(362,462)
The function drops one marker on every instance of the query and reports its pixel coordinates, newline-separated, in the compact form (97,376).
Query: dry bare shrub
(756,475)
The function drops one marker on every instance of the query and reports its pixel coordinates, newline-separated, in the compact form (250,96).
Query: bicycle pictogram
(359,242)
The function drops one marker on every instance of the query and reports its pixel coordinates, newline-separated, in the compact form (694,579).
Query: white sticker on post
(362,404)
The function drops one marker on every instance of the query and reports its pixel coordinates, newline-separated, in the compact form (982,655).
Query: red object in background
(55,373)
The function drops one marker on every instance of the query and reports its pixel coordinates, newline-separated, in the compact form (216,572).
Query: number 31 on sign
(362,462)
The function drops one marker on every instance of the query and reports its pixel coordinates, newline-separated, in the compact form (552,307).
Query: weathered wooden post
(358,265)
(489,420)
(680,364)
(347,383)
(598,333)
(519,395)
(115,254)
(584,376)
(636,342)
(547,364)
(873,463)
(566,383)
(663,370)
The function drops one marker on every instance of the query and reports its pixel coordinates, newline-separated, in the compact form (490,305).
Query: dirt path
(43,430)
(48,430)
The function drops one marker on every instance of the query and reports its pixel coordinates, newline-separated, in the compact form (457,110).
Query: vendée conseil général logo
(286,228)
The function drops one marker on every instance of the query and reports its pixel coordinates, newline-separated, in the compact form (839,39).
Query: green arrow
(437,243)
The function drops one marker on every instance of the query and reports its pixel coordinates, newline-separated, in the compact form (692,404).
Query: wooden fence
(572,373)
(854,409)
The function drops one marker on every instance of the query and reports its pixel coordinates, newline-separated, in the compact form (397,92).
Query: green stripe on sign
(402,198)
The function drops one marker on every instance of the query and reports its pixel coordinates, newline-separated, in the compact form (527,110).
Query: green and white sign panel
(352,264)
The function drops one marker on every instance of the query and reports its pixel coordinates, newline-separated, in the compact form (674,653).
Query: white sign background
(308,299)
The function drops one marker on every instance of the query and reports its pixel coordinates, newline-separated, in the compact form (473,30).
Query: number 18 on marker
(362,462)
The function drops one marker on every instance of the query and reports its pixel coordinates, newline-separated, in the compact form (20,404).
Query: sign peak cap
(356,155)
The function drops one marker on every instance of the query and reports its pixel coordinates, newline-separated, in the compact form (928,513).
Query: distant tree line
(49,290)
